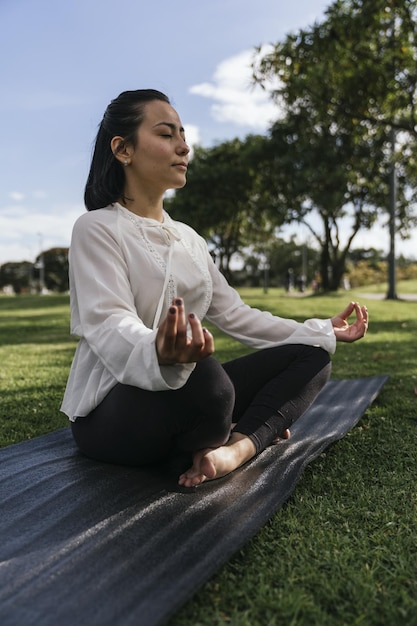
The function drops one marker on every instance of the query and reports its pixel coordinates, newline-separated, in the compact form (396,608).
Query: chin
(180,185)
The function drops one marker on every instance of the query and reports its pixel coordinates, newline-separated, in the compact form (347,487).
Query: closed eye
(174,128)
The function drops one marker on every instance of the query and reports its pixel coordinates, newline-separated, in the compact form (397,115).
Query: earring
(125,163)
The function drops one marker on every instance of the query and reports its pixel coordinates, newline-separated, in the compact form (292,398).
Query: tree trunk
(337,271)
(325,260)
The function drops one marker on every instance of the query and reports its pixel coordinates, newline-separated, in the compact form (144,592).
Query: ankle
(242,446)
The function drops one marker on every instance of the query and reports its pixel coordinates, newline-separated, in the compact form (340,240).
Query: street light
(41,266)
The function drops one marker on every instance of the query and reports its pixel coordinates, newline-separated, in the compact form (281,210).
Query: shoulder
(97,221)
(96,227)
(108,214)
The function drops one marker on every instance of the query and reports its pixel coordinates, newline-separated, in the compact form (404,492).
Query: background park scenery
(339,158)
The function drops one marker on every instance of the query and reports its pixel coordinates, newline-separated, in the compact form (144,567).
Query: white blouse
(124,272)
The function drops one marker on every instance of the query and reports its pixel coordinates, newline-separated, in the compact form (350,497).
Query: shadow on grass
(13,335)
(19,303)
(34,319)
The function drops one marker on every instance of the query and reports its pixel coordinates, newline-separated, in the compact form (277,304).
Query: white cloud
(192,137)
(23,231)
(39,194)
(17,196)
(236,99)
(192,134)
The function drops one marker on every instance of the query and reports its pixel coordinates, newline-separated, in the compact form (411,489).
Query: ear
(121,152)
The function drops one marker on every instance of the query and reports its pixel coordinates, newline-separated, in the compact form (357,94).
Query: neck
(144,205)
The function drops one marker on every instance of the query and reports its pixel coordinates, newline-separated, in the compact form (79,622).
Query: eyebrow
(171,125)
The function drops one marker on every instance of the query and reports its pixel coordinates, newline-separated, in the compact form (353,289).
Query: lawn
(343,550)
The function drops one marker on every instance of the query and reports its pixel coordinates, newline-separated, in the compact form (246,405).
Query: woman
(143,381)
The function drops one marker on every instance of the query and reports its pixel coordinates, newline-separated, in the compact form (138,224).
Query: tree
(49,271)
(333,184)
(55,268)
(224,200)
(343,85)
(371,256)
(16,274)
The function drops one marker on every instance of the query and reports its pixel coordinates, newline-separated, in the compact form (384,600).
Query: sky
(63,62)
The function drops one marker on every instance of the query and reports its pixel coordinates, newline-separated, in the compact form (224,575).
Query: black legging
(263,392)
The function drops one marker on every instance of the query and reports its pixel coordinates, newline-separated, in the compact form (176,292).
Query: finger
(171,320)
(365,314)
(181,330)
(340,320)
(365,317)
(202,343)
(166,337)
(169,329)
(361,313)
(197,334)
(209,342)
(348,310)
(359,328)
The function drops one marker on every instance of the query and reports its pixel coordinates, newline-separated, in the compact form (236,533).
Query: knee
(215,392)
(322,367)
(222,398)
(323,357)
(219,411)
(318,356)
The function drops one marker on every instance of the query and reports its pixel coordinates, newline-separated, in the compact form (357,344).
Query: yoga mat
(94,544)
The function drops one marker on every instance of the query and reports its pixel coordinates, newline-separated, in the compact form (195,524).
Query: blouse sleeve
(260,329)
(103,311)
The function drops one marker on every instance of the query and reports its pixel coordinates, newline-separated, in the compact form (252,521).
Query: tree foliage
(16,275)
(224,199)
(50,271)
(343,86)
(55,262)
(357,66)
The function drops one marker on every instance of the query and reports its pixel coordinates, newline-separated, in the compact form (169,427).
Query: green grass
(35,354)
(343,550)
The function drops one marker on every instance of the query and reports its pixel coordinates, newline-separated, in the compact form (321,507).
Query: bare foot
(285,435)
(214,463)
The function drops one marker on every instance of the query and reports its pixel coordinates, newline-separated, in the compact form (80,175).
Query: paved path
(412,297)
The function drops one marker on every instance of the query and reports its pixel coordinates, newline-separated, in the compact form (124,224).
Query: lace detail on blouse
(205,276)
(148,244)
(171,233)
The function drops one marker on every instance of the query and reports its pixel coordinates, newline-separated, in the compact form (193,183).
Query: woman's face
(160,158)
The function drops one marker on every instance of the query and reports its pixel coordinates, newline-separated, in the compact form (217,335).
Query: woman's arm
(260,329)
(104,312)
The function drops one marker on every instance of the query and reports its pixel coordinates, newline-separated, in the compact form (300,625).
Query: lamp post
(392,269)
(41,266)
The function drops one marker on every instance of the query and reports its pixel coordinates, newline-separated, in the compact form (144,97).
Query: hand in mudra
(173,345)
(351,332)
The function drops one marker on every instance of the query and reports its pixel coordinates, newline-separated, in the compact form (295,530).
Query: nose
(183,147)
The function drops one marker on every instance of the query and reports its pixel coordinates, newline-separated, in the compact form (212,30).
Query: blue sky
(62,62)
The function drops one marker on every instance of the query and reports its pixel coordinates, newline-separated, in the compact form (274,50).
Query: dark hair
(123,116)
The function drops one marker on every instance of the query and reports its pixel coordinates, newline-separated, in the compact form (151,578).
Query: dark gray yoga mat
(93,544)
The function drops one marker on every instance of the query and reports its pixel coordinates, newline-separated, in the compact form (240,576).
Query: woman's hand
(352,332)
(172,342)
